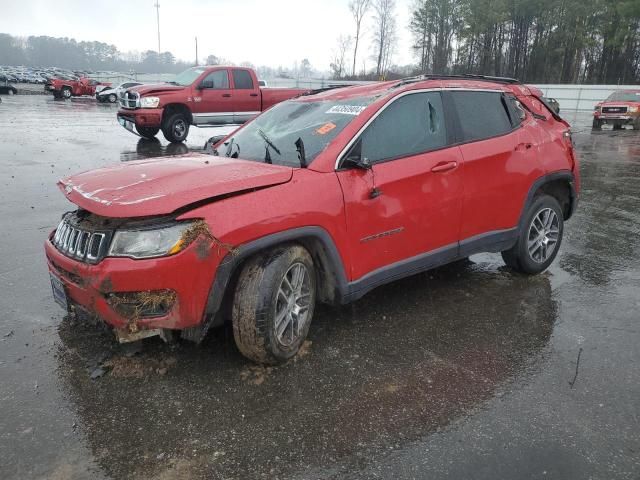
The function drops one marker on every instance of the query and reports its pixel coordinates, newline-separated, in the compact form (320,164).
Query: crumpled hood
(156,88)
(162,186)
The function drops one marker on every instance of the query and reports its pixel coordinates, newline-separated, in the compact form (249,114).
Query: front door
(213,99)
(406,209)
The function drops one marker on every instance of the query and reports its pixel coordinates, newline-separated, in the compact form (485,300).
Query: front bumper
(142,117)
(616,117)
(189,274)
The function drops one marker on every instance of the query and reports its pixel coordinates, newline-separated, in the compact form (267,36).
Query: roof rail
(466,76)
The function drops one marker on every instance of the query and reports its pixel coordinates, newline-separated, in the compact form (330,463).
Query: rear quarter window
(481,115)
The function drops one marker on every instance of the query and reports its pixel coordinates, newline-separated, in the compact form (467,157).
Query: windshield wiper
(267,140)
(230,152)
(300,149)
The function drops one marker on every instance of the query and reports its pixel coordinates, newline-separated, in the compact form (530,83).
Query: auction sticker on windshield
(347,109)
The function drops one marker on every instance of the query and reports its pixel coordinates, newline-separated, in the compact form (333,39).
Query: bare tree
(338,65)
(384,34)
(358,9)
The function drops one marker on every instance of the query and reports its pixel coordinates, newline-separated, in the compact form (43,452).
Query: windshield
(188,76)
(293,131)
(622,96)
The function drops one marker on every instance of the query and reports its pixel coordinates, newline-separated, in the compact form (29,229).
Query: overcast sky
(276,32)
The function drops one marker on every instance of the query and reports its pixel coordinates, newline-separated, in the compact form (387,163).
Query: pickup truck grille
(80,243)
(621,109)
(129,99)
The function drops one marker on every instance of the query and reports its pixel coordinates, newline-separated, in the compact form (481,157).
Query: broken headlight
(149,243)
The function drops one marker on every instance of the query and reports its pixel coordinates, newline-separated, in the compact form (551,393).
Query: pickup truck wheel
(273,304)
(540,238)
(636,124)
(66,93)
(113,98)
(176,128)
(597,124)
(147,132)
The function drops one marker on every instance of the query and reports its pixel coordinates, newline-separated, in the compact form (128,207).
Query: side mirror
(211,144)
(205,84)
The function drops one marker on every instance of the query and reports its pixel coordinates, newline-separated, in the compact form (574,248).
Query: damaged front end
(143,277)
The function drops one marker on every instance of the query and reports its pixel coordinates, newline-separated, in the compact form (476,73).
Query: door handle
(253,94)
(524,146)
(226,95)
(444,167)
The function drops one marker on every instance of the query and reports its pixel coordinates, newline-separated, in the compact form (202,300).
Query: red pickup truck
(67,88)
(198,96)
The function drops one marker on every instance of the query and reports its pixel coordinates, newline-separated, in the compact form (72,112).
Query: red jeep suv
(319,199)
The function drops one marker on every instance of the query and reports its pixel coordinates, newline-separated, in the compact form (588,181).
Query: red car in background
(321,198)
(200,96)
(67,88)
(620,108)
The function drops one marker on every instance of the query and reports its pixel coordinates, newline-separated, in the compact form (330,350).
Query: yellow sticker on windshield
(326,128)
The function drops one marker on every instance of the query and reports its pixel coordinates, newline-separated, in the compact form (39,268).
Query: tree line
(538,41)
(44,51)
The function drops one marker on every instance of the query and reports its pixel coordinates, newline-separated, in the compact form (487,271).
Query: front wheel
(273,304)
(597,124)
(147,132)
(539,239)
(112,98)
(175,128)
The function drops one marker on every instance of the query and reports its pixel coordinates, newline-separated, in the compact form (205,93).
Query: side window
(242,80)
(218,80)
(410,125)
(515,110)
(481,114)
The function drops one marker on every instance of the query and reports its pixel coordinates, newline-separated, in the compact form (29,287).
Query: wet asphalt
(465,372)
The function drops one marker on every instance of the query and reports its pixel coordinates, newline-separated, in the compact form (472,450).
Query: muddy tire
(636,124)
(112,98)
(617,126)
(175,128)
(66,93)
(597,124)
(539,239)
(273,304)
(147,132)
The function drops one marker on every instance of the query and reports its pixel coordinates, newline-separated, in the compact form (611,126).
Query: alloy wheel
(292,304)
(544,232)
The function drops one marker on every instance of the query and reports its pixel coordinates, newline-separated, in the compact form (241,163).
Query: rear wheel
(147,132)
(597,124)
(539,239)
(175,128)
(66,93)
(273,304)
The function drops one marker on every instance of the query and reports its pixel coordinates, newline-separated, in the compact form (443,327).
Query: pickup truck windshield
(274,136)
(188,76)
(624,97)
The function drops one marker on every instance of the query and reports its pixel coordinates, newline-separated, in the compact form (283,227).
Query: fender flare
(541,181)
(331,260)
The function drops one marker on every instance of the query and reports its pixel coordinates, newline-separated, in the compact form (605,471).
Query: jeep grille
(79,243)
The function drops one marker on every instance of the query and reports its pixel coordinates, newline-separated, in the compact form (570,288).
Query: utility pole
(157,5)
(196,51)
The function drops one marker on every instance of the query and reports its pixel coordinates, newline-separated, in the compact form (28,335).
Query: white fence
(571,97)
(581,97)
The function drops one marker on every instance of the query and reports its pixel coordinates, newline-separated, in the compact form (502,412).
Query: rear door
(213,99)
(500,163)
(246,95)
(409,203)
